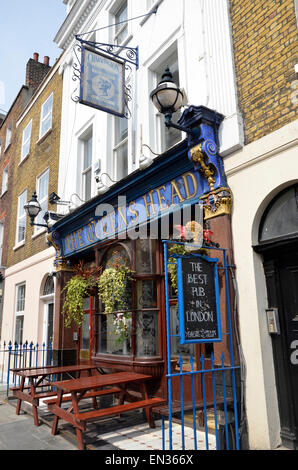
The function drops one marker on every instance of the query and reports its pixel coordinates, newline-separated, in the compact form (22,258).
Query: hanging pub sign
(102,83)
(198,299)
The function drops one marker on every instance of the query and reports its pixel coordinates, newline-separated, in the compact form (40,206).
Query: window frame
(87,170)
(23,216)
(155,72)
(44,118)
(20,313)
(2,227)
(5,174)
(28,140)
(119,145)
(8,132)
(116,14)
(41,200)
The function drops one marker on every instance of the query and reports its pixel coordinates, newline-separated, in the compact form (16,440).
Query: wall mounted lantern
(33,208)
(168,98)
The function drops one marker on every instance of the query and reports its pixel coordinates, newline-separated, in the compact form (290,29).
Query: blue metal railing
(21,356)
(224,405)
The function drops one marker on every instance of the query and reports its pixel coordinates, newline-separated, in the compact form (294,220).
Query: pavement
(128,432)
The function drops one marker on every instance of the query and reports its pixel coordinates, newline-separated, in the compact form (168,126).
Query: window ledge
(43,137)
(24,159)
(19,245)
(155,5)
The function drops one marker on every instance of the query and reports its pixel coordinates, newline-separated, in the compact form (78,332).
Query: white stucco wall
(255,175)
(198,29)
(33,272)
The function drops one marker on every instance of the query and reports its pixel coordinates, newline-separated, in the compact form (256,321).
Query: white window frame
(86,171)
(8,135)
(158,119)
(20,313)
(116,147)
(2,226)
(44,118)
(26,141)
(23,216)
(5,179)
(116,31)
(43,201)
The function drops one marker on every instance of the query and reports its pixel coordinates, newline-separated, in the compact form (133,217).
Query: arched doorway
(278,244)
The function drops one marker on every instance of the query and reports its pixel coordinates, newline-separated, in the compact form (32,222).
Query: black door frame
(273,253)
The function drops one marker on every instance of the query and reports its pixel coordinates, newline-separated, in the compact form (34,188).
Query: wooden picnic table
(95,386)
(38,379)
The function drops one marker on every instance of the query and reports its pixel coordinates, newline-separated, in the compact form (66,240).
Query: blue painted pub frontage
(186,185)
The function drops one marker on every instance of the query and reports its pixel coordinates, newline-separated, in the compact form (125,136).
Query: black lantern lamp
(33,208)
(168,98)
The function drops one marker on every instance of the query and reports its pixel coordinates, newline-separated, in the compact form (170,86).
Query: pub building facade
(124,175)
(177,187)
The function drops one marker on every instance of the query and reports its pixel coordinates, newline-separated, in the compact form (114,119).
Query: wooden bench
(81,388)
(39,378)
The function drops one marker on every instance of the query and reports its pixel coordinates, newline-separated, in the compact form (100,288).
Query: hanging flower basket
(82,284)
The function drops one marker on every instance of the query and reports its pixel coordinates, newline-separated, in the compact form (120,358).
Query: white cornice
(74,21)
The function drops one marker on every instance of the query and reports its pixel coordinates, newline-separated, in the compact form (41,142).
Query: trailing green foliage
(113,288)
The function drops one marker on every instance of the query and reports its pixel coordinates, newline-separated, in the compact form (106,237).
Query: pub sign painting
(102,82)
(198,299)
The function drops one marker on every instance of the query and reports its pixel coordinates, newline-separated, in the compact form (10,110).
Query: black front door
(281,269)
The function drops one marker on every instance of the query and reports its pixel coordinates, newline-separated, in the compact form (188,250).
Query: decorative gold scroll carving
(197,157)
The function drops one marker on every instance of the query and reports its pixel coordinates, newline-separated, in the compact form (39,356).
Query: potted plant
(77,288)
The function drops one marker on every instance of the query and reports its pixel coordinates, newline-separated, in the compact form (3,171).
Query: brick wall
(36,71)
(7,157)
(265,50)
(44,153)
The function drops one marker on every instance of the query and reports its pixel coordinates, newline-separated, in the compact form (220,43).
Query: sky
(26,26)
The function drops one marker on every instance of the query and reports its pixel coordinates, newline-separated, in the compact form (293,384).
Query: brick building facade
(264,182)
(35,73)
(29,257)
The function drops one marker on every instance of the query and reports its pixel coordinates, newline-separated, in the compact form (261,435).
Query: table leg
(19,402)
(34,406)
(148,411)
(56,418)
(75,406)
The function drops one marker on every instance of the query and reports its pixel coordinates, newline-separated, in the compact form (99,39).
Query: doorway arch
(278,245)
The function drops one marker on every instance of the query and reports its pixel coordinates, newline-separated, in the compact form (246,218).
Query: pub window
(20,310)
(142,314)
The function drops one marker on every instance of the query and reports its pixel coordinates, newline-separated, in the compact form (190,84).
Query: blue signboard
(198,299)
(102,82)
(109,221)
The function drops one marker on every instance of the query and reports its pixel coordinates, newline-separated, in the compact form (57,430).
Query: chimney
(36,71)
